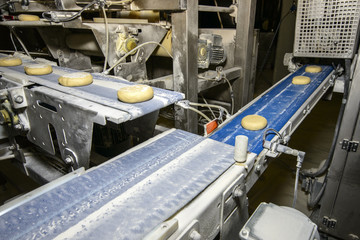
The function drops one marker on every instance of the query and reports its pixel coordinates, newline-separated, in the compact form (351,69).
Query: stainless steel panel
(244,50)
(185,69)
(339,215)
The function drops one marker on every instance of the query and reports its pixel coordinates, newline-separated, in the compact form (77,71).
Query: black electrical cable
(328,161)
(315,201)
(48,15)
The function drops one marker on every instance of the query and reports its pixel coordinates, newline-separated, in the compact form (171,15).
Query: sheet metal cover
(103,91)
(277,106)
(272,222)
(126,197)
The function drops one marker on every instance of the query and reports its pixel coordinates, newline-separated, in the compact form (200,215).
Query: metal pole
(243,50)
(185,77)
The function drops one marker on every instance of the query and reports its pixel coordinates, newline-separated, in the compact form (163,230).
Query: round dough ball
(313,69)
(10,61)
(301,80)
(38,69)
(253,122)
(27,17)
(76,79)
(135,93)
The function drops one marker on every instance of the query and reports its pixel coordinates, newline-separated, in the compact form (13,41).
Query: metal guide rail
(284,106)
(126,197)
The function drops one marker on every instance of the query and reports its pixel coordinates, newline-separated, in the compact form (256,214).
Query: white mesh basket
(326,28)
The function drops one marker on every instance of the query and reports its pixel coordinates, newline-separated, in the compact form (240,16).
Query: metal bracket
(56,119)
(349,146)
(234,208)
(17,97)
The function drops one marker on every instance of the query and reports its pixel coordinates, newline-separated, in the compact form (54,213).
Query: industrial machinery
(108,170)
(137,39)
(132,40)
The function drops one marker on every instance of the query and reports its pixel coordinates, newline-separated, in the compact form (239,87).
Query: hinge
(349,146)
(329,222)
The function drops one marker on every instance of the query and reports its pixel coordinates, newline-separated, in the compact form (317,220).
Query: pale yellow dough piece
(38,69)
(301,80)
(76,79)
(10,61)
(27,17)
(253,122)
(313,69)
(135,93)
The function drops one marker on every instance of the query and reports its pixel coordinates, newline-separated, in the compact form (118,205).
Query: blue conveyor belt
(105,94)
(126,197)
(277,106)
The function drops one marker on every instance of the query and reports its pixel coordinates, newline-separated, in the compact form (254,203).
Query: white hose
(212,113)
(296,186)
(231,95)
(210,105)
(21,43)
(199,112)
(107,38)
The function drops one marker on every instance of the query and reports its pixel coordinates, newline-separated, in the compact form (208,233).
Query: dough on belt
(135,93)
(253,122)
(313,69)
(38,69)
(28,17)
(301,80)
(76,79)
(10,61)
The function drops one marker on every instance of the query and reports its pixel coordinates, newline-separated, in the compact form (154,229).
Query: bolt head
(244,232)
(238,193)
(19,99)
(68,160)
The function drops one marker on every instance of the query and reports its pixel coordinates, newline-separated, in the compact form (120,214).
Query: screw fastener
(19,99)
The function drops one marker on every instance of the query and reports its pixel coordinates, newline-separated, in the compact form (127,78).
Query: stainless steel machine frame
(185,34)
(338,214)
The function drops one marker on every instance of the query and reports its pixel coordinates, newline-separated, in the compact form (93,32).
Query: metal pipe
(205,8)
(21,42)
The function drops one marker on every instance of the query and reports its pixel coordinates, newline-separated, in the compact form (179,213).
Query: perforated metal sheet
(326,28)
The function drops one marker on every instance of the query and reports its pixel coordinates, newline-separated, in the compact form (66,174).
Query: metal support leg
(243,50)
(184,44)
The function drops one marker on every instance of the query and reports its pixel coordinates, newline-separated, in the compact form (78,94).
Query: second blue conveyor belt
(277,105)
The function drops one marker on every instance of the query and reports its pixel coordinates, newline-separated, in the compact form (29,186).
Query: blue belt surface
(277,106)
(171,170)
(101,94)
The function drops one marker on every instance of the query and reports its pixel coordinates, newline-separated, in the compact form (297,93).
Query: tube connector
(276,147)
(183,103)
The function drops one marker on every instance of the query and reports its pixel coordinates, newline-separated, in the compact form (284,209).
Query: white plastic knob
(241,146)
